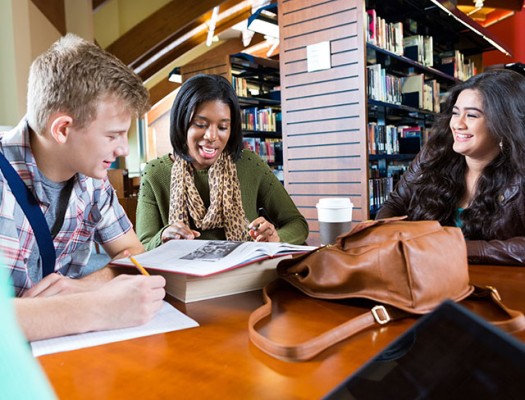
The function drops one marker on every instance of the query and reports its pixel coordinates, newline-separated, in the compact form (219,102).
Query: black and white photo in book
(207,257)
(213,250)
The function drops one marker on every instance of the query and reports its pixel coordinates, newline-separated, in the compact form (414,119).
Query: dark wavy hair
(195,91)
(440,185)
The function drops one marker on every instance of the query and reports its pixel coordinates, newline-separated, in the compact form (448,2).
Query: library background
(337,96)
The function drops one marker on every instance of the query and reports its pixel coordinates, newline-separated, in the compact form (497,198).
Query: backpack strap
(34,214)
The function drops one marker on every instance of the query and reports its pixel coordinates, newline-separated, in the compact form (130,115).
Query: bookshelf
(325,114)
(257,84)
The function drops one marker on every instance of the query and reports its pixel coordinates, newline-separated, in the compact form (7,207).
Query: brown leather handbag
(407,267)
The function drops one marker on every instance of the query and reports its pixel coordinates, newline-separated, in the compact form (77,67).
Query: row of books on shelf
(383,86)
(382,182)
(412,90)
(420,48)
(269,149)
(379,189)
(240,85)
(454,63)
(392,139)
(260,119)
(390,36)
(393,169)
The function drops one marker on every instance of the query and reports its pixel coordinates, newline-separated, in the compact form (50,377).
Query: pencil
(139,267)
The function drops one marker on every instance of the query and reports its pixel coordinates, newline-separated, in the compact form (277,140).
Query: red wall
(511,32)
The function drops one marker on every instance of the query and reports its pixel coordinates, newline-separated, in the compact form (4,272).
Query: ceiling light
(175,75)
(211,26)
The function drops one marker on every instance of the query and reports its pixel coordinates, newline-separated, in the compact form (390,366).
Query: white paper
(318,56)
(166,320)
(206,257)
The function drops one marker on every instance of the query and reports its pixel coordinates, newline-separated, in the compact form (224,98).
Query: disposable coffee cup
(335,217)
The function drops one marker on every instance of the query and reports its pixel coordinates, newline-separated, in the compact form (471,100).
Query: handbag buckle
(381,315)
(494,292)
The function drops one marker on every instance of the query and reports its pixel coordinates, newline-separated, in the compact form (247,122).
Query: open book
(203,269)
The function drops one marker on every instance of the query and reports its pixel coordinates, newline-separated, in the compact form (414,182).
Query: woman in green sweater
(210,188)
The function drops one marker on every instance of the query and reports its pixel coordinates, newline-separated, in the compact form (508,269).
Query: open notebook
(448,354)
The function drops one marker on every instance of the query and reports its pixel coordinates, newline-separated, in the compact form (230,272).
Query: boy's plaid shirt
(93,213)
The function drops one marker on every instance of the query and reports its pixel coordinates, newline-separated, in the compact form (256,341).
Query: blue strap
(34,214)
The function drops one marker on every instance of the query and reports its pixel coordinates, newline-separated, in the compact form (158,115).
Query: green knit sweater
(259,188)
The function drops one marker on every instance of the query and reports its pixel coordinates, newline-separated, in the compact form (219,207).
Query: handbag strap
(515,320)
(380,314)
(34,214)
(314,346)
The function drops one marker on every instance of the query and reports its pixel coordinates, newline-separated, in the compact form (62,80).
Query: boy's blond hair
(72,76)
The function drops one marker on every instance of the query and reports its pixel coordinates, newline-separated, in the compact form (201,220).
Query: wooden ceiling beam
(96,4)
(188,28)
(161,90)
(159,47)
(166,22)
(55,12)
(189,44)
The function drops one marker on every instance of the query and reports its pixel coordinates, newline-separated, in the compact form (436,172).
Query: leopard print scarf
(225,209)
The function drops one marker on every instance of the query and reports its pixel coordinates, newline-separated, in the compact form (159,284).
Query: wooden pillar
(324,112)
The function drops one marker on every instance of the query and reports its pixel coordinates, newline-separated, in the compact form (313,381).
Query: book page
(166,320)
(206,257)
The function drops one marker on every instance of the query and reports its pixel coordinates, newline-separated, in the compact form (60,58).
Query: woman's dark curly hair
(440,185)
(195,91)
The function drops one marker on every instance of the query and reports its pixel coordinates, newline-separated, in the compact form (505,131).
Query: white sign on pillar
(318,56)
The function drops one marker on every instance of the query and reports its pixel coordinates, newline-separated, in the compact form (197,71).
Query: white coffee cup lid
(334,209)
(334,202)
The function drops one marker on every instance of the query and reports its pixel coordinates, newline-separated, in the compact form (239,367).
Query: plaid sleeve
(113,222)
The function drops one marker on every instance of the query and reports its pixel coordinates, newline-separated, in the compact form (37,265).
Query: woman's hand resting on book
(177,231)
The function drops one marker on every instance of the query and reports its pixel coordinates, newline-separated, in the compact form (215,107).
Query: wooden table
(217,360)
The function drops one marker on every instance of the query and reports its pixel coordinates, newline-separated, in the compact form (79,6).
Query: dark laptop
(448,354)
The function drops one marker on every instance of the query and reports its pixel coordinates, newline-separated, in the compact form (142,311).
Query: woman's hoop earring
(501,145)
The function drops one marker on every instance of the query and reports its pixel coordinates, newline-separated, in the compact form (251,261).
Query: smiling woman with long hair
(470,173)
